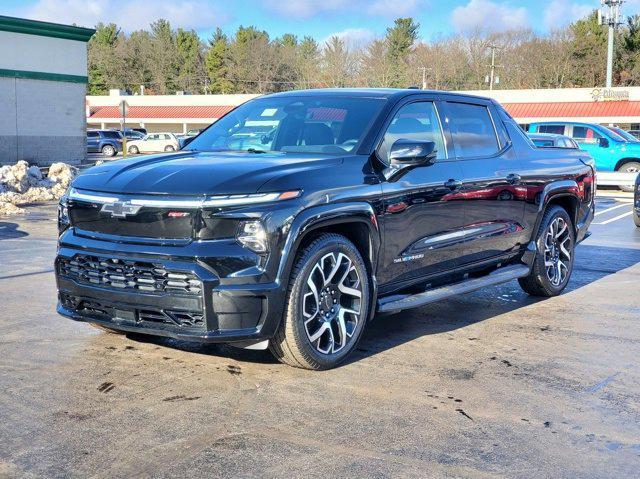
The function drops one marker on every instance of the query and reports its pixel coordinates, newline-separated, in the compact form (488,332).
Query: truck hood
(198,173)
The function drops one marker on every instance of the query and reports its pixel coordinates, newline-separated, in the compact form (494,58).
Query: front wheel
(553,264)
(327,305)
(636,219)
(108,150)
(631,167)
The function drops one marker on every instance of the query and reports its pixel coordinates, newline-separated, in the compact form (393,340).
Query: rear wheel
(133,150)
(108,150)
(636,219)
(630,167)
(553,264)
(169,148)
(326,307)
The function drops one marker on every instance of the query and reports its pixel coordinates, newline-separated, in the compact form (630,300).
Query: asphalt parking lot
(491,384)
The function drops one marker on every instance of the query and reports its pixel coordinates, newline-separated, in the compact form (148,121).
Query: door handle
(453,184)
(514,178)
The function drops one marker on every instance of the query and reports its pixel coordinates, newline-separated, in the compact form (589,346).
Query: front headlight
(252,235)
(63,214)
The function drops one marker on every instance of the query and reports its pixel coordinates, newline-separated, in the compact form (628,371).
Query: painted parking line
(615,218)
(611,209)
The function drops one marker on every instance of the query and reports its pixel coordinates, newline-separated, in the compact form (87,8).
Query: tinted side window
(472,130)
(92,134)
(111,134)
(584,134)
(555,129)
(415,121)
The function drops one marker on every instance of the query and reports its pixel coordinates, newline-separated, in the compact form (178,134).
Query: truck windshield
(304,124)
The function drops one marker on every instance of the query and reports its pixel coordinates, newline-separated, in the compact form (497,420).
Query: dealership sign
(609,94)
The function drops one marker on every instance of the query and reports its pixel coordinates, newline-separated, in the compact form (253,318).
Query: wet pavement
(489,384)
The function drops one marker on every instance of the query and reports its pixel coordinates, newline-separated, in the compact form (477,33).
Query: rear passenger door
(421,226)
(491,191)
(93,138)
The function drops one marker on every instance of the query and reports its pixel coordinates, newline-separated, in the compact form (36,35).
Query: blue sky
(356,20)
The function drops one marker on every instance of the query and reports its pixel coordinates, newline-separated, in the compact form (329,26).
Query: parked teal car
(610,151)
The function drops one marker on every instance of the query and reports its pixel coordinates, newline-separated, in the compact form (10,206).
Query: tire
(169,148)
(630,167)
(312,324)
(558,249)
(109,150)
(133,150)
(636,219)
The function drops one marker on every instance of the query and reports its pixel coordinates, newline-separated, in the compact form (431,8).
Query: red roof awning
(574,109)
(171,112)
(517,110)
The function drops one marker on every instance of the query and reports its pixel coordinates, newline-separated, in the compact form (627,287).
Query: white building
(180,113)
(43,77)
(159,113)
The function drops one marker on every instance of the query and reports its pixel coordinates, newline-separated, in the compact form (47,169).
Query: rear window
(472,129)
(543,143)
(111,134)
(553,129)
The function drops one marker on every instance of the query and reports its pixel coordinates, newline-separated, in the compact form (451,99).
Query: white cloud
(489,16)
(128,14)
(352,37)
(560,13)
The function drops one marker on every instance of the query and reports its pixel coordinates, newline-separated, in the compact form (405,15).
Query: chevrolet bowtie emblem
(120,209)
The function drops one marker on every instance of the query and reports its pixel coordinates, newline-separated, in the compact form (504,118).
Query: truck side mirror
(411,152)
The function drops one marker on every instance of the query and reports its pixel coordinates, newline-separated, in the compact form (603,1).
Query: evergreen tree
(217,63)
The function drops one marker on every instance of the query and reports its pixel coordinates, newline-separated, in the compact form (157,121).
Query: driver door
(592,142)
(150,143)
(422,217)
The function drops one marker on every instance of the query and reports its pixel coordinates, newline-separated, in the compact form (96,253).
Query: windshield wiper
(254,150)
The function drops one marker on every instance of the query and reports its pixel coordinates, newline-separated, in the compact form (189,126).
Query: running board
(502,275)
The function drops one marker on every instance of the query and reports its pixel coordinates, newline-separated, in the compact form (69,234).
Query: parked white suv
(153,142)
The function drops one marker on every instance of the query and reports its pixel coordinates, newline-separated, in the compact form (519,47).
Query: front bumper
(219,312)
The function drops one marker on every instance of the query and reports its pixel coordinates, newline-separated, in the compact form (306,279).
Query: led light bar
(203,202)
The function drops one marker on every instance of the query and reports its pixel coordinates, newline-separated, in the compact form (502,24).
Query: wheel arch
(621,162)
(564,194)
(356,221)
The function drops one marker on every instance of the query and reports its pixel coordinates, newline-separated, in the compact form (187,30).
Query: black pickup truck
(296,217)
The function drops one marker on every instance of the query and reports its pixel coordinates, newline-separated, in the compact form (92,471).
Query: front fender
(323,216)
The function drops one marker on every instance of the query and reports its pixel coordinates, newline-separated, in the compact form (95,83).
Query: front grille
(143,316)
(120,274)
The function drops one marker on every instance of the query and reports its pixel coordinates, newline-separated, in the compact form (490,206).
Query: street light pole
(609,14)
(492,78)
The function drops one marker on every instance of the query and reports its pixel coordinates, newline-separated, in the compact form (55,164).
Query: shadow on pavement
(11,231)
(388,331)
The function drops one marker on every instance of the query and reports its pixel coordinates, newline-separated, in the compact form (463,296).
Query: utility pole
(492,78)
(424,77)
(609,14)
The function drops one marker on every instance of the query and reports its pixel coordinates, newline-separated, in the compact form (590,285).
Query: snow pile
(21,184)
